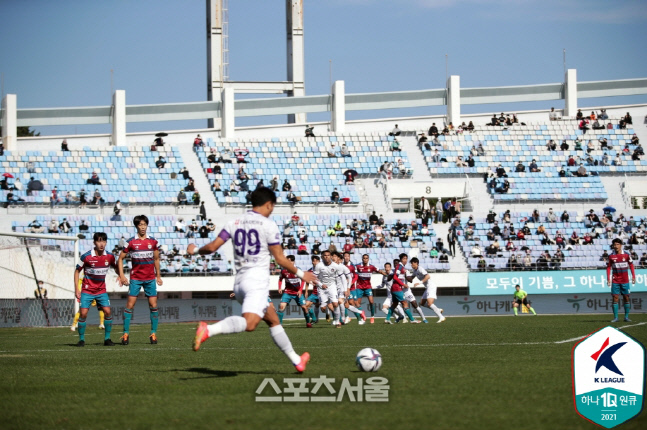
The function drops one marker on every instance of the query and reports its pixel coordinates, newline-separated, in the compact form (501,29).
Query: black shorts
(524,301)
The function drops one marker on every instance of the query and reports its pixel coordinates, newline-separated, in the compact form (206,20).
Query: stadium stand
(304,162)
(316,227)
(576,254)
(128,174)
(162,228)
(521,143)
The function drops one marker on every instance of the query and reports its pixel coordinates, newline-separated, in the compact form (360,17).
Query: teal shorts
(102,300)
(624,289)
(360,292)
(287,298)
(150,288)
(398,295)
(313,298)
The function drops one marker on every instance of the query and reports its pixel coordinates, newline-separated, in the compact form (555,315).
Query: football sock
(385,310)
(400,311)
(532,310)
(372,306)
(108,324)
(388,314)
(627,309)
(422,314)
(313,317)
(229,325)
(76,318)
(615,310)
(154,320)
(82,329)
(281,340)
(515,311)
(306,314)
(337,314)
(437,311)
(356,311)
(101,317)
(315,313)
(280,316)
(345,312)
(128,315)
(409,314)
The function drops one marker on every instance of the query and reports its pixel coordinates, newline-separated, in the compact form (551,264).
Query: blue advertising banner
(548,282)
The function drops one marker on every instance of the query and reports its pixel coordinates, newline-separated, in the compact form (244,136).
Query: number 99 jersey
(251,236)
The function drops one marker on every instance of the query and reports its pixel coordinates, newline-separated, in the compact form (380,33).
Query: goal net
(37,279)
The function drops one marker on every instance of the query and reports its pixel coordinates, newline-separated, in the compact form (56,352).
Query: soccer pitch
(467,373)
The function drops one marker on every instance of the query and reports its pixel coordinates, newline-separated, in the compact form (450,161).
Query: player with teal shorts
(619,265)
(313,302)
(293,291)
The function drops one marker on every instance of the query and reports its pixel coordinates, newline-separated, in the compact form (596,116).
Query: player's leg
(103,303)
(150,289)
(301,302)
(281,339)
(76,315)
(133,291)
(285,300)
(371,305)
(627,303)
(407,308)
(527,303)
(515,306)
(102,317)
(386,305)
(616,299)
(81,325)
(419,310)
(428,299)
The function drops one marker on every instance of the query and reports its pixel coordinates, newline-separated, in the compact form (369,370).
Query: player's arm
(609,272)
(207,249)
(282,260)
(280,281)
(120,266)
(156,261)
(77,290)
(633,271)
(301,289)
(425,279)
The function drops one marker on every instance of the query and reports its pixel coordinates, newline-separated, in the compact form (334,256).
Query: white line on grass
(582,337)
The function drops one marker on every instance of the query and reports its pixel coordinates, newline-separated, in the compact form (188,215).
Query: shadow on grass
(214,373)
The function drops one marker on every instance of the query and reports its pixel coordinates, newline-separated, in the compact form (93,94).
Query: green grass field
(468,373)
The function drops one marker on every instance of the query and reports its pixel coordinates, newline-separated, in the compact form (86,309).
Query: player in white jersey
(328,275)
(387,282)
(420,274)
(408,294)
(347,279)
(255,239)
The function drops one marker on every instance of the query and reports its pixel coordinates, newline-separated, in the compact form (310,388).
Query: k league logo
(608,377)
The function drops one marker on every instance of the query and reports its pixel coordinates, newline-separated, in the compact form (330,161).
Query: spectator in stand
(286,186)
(460,162)
(344,151)
(571,161)
(551,217)
(435,157)
(643,260)
(334,197)
(53,226)
(520,167)
(627,119)
(310,131)
(500,172)
(196,198)
(396,131)
(579,114)
(564,146)
(596,125)
(64,147)
(470,161)
(565,216)
(240,155)
(618,160)
(54,199)
(292,198)
(452,238)
(552,115)
(603,114)
(533,166)
(225,156)
(634,140)
(117,209)
(185,173)
(197,142)
(423,141)
(551,145)
(494,121)
(35,227)
(470,126)
(181,198)
(395,146)
(433,130)
(216,186)
(64,226)
(94,179)
(180,226)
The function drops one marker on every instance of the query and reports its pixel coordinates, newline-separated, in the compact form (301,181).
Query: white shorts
(430,292)
(387,303)
(328,295)
(408,296)
(252,293)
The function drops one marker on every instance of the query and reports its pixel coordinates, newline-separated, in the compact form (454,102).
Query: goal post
(37,279)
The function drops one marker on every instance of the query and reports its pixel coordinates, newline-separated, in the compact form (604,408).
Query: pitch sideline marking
(582,337)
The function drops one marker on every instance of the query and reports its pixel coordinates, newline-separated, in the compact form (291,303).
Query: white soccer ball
(368,360)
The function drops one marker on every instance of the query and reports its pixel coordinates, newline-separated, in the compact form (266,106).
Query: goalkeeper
(520,297)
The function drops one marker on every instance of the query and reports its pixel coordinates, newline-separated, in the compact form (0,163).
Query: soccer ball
(368,360)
